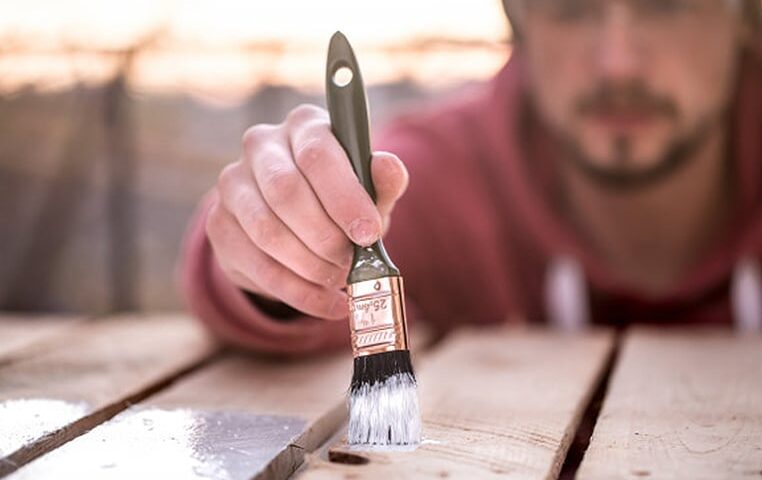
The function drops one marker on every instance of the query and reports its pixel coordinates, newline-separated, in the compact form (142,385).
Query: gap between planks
(584,430)
(683,403)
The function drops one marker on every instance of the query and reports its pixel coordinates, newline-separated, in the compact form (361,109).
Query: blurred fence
(98,181)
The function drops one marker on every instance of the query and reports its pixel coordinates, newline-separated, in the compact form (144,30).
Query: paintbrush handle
(348,109)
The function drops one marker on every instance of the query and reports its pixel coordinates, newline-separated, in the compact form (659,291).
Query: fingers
(222,234)
(287,210)
(244,262)
(322,161)
(289,196)
(240,195)
(391,179)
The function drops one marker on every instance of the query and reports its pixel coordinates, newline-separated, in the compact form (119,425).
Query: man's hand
(285,212)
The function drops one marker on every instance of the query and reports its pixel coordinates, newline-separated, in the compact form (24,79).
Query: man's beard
(620,172)
(621,175)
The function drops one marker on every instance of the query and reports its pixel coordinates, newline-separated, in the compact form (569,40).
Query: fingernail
(363,232)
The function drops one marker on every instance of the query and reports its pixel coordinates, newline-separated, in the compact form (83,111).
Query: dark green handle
(350,123)
(348,107)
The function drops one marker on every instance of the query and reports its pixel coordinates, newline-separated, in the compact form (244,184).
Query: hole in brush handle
(342,76)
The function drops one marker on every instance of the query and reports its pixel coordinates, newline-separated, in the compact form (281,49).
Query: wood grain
(495,404)
(241,417)
(88,375)
(20,332)
(681,405)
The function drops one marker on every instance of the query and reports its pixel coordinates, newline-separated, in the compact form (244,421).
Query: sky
(230,47)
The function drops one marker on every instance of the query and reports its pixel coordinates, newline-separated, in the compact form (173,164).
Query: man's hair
(752,13)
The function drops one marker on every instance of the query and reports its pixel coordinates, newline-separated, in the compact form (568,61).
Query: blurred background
(116,117)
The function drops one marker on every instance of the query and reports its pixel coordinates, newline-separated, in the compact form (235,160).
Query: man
(611,173)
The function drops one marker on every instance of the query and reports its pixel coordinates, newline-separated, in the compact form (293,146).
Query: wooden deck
(152,396)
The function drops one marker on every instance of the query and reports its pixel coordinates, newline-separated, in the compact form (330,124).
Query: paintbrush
(383,395)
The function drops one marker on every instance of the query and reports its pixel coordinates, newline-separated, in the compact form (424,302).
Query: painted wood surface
(681,404)
(86,375)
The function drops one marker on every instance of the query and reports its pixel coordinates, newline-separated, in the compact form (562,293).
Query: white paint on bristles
(385,413)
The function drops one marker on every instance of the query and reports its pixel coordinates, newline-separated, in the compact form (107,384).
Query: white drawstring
(567,306)
(566,295)
(746,296)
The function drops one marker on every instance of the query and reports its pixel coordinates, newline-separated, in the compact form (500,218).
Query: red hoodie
(478,238)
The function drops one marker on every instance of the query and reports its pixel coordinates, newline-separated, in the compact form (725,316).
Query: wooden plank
(19,332)
(242,417)
(495,404)
(88,375)
(231,420)
(681,405)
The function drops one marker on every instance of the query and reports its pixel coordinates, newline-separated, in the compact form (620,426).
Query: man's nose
(619,55)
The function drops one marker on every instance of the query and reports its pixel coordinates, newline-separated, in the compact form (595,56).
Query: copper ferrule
(377,316)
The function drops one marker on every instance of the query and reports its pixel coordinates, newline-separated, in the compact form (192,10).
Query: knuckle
(227,176)
(255,136)
(279,183)
(263,228)
(303,113)
(213,220)
(309,156)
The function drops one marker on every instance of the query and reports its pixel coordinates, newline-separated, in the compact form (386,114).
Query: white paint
(384,407)
(26,420)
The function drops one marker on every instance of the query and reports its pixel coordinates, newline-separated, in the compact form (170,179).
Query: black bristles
(371,369)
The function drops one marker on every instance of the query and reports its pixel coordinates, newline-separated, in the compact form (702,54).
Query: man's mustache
(611,98)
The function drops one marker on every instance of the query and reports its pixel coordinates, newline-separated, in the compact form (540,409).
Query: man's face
(630,84)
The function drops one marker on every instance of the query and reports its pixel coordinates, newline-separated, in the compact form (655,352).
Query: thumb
(390,178)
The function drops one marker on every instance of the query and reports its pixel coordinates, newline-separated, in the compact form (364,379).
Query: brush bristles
(383,401)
